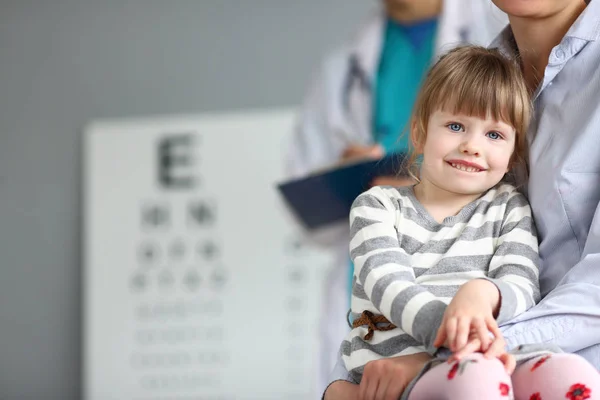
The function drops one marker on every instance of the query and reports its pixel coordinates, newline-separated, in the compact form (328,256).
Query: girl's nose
(469,147)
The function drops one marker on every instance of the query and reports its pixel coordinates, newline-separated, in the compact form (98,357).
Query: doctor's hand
(356,152)
(395,181)
(376,151)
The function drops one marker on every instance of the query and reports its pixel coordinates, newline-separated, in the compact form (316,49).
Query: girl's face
(535,8)
(466,155)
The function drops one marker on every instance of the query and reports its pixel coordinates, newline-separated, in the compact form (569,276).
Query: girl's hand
(471,311)
(496,350)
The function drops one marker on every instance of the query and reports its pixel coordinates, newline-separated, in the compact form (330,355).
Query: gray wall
(66,62)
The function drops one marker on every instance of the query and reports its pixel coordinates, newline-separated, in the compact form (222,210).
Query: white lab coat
(337,112)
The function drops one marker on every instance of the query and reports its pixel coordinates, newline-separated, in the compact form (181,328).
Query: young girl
(444,262)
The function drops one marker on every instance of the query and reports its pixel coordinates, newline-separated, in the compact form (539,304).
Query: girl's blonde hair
(474,81)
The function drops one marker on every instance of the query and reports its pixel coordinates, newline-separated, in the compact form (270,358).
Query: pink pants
(557,376)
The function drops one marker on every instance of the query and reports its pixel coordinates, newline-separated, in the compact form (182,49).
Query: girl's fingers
(492,326)
(482,332)
(509,362)
(463,330)
(496,348)
(440,338)
(471,347)
(451,332)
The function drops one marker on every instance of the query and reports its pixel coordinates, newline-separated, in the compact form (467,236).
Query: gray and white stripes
(408,267)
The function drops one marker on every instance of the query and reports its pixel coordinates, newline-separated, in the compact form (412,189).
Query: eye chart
(198,284)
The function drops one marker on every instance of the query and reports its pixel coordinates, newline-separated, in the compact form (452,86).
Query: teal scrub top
(405,58)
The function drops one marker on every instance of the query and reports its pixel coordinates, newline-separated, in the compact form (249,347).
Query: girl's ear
(415,138)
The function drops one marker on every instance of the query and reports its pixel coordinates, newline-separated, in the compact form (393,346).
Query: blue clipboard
(325,197)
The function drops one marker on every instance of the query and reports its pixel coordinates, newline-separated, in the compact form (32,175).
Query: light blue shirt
(564,192)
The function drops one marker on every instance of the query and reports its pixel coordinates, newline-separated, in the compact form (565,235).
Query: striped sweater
(408,267)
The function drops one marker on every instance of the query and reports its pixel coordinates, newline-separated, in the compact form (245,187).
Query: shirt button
(559,54)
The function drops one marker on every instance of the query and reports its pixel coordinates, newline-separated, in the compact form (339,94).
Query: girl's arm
(510,288)
(382,267)
(514,268)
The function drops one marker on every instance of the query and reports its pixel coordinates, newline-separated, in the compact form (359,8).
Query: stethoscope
(355,75)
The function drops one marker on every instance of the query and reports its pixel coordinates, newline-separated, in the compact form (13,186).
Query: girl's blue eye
(494,135)
(455,127)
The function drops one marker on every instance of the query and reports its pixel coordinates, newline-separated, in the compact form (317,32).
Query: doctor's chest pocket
(580,194)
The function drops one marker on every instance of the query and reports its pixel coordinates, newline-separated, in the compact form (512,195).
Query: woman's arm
(341,390)
(569,316)
(388,375)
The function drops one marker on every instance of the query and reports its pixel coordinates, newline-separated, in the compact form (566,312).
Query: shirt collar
(586,27)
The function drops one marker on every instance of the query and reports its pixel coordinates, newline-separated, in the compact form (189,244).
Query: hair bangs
(487,94)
